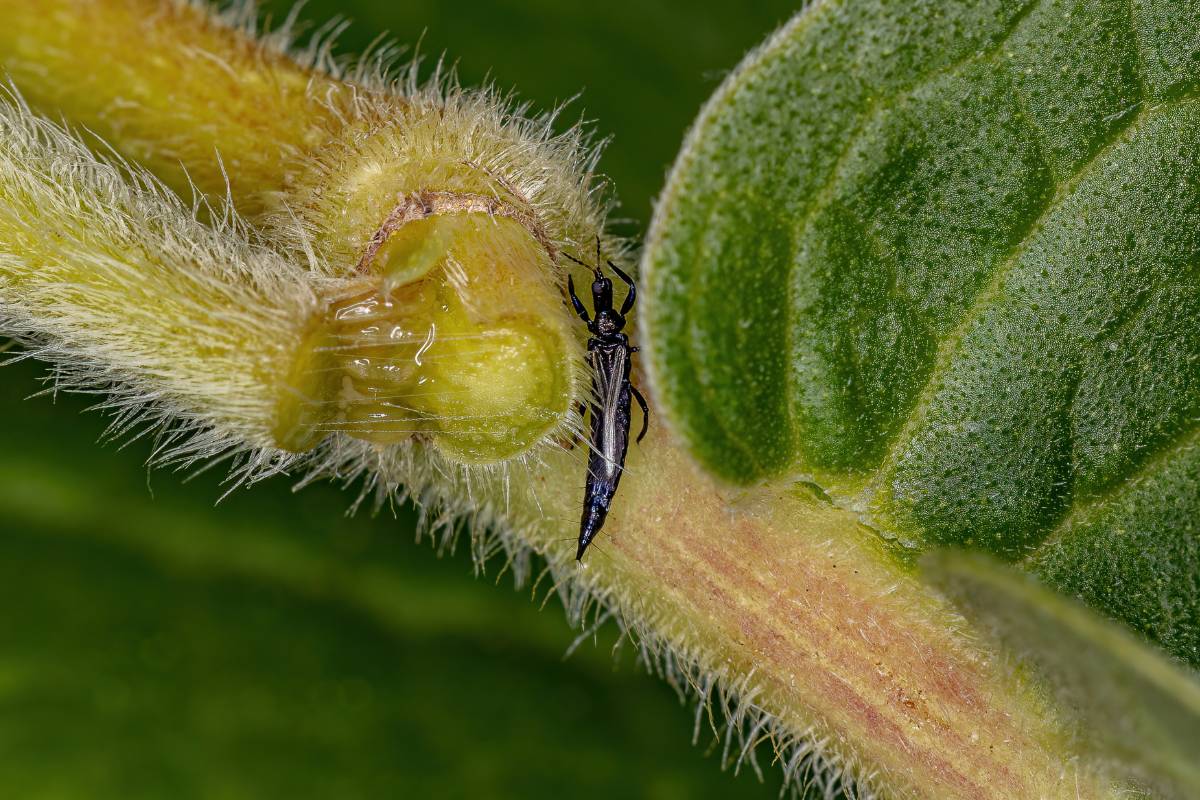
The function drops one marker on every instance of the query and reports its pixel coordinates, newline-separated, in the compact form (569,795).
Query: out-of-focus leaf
(156,646)
(1134,704)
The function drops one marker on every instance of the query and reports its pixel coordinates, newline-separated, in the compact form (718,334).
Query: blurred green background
(156,645)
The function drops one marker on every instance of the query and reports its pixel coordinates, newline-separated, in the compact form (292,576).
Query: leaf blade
(947,267)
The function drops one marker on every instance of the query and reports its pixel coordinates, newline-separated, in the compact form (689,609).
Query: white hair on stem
(412,122)
(108,277)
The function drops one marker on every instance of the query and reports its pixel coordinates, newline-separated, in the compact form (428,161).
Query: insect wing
(612,435)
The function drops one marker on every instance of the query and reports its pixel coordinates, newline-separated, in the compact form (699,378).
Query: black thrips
(610,356)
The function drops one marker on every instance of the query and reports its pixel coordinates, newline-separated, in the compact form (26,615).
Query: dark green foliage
(956,246)
(155,646)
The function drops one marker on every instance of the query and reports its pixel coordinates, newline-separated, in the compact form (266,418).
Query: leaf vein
(949,345)
(822,196)
(1188,437)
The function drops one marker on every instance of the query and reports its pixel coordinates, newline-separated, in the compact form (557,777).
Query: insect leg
(630,298)
(575,301)
(641,401)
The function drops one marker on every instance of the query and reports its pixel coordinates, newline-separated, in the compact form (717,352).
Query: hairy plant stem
(801,608)
(427,223)
(834,647)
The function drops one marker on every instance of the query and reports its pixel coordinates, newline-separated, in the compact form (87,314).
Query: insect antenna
(593,267)
(582,263)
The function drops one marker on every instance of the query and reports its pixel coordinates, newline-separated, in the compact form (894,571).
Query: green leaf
(1138,708)
(942,258)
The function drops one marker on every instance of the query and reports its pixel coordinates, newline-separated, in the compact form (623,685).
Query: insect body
(610,356)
